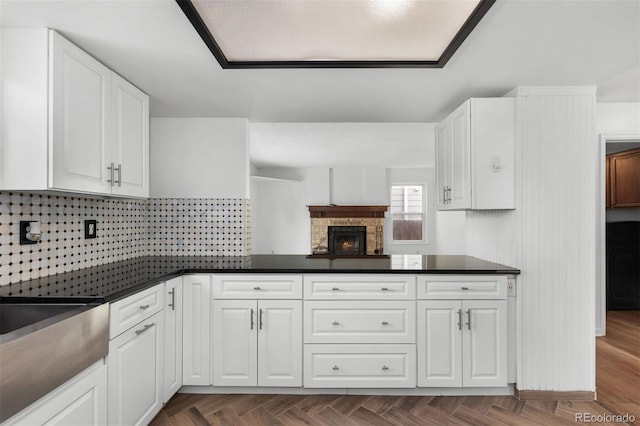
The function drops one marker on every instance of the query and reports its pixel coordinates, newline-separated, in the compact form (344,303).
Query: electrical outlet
(90,229)
(511,287)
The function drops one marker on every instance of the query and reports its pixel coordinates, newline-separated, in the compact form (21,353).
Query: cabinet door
(439,343)
(235,343)
(135,373)
(484,356)
(129,139)
(442,165)
(280,343)
(172,380)
(196,327)
(81,401)
(625,179)
(460,151)
(607,185)
(80,91)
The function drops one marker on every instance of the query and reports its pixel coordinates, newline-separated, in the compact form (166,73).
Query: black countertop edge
(115,281)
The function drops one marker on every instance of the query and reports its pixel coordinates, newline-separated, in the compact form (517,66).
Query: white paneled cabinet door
(485,343)
(172,380)
(235,343)
(439,343)
(196,330)
(82,401)
(130,139)
(80,91)
(280,343)
(442,133)
(135,373)
(460,149)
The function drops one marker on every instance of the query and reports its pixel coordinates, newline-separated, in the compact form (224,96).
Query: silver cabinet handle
(385,368)
(119,170)
(257,288)
(145,328)
(469,316)
(336,323)
(384,323)
(444,195)
(260,320)
(111,169)
(335,289)
(464,288)
(173,299)
(335,368)
(384,289)
(251,318)
(459,319)
(448,194)
(144,307)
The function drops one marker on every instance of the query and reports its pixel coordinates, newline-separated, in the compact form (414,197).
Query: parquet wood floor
(617,378)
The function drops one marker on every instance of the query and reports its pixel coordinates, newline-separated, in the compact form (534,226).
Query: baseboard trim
(539,395)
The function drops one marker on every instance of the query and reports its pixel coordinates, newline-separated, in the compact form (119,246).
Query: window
(408,213)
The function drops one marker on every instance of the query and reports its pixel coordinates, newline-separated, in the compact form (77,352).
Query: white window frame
(425,237)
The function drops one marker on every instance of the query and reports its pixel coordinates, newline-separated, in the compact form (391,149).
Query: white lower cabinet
(257,343)
(196,326)
(82,401)
(135,373)
(172,380)
(359,366)
(462,343)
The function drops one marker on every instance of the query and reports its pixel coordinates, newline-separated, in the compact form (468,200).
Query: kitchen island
(406,324)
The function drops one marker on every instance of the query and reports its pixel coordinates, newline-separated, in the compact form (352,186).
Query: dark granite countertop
(113,281)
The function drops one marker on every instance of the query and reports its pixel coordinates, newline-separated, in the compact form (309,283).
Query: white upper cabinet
(475,156)
(68,122)
(80,91)
(130,139)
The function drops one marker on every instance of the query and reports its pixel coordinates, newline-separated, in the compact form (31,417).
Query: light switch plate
(90,229)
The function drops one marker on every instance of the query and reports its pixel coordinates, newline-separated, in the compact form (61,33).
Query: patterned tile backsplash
(126,229)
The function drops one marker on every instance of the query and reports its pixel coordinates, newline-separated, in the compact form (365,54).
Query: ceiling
(518,42)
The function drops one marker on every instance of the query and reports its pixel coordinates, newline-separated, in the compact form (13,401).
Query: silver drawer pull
(336,323)
(384,289)
(335,289)
(464,288)
(257,288)
(145,328)
(384,323)
(144,307)
(385,368)
(335,368)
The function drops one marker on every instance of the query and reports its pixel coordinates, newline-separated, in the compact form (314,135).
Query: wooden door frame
(601,227)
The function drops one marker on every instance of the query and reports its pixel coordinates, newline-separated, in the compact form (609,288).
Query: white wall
(618,118)
(199,158)
(335,145)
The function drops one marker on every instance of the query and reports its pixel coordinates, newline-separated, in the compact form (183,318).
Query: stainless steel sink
(44,345)
(14,316)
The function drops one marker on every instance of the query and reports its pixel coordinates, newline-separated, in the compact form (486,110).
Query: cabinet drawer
(462,287)
(359,366)
(359,322)
(330,287)
(252,286)
(128,312)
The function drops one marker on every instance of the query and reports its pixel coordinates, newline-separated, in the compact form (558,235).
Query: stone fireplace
(347,230)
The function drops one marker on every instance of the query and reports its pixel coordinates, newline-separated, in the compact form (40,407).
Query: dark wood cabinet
(623,179)
(623,265)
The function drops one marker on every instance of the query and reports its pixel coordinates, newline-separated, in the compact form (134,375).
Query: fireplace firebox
(347,240)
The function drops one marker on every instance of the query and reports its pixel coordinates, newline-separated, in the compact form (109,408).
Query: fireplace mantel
(334,211)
